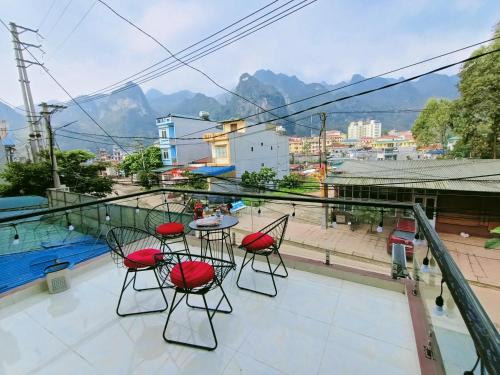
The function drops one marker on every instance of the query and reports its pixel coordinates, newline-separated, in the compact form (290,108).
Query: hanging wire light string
(137,209)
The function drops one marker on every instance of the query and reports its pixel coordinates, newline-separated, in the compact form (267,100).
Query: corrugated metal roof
(423,174)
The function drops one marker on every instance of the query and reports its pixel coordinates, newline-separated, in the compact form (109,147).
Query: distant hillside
(132,113)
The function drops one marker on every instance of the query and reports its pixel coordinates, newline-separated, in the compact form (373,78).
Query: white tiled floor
(316,325)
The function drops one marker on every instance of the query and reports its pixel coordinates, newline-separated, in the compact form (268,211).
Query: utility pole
(36,140)
(47,111)
(324,152)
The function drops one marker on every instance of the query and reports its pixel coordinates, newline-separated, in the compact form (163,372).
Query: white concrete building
(249,148)
(362,129)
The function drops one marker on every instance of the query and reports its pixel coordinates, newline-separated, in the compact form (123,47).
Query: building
(117,154)
(176,151)
(311,145)
(455,199)
(250,148)
(362,128)
(295,145)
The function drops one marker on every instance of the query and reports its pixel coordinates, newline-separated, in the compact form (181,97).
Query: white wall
(257,148)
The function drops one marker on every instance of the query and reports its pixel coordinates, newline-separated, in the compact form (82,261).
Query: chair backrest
(277,230)
(167,212)
(171,259)
(123,241)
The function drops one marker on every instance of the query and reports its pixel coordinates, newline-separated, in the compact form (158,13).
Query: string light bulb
(380,227)
(108,218)
(16,236)
(259,211)
(439,309)
(70,226)
(137,209)
(293,213)
(425,263)
(417,240)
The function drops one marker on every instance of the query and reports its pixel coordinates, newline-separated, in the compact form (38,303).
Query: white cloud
(327,41)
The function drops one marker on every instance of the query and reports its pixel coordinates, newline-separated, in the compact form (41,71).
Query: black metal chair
(265,242)
(192,274)
(137,251)
(170,221)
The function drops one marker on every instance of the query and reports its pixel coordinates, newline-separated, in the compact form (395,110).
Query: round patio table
(216,240)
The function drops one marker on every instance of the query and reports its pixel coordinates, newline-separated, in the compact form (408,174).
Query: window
(165,155)
(220,152)
(261,164)
(234,127)
(164,133)
(271,148)
(262,143)
(251,148)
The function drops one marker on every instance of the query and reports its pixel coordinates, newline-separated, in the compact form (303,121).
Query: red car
(403,233)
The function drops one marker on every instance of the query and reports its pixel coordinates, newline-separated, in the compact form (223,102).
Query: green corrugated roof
(424,174)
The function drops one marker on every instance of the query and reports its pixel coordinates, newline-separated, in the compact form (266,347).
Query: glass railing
(324,229)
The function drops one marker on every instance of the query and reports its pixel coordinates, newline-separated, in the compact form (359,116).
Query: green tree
(142,163)
(259,179)
(434,123)
(145,160)
(74,170)
(291,181)
(26,179)
(480,102)
(367,215)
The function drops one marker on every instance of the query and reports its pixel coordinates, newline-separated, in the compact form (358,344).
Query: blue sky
(326,41)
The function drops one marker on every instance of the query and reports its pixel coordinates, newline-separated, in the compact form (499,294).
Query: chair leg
(281,263)
(142,289)
(216,309)
(127,284)
(243,264)
(173,306)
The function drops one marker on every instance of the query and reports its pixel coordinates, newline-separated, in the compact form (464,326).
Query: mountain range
(131,112)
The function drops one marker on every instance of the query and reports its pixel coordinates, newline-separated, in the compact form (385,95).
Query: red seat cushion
(169,229)
(195,274)
(141,258)
(257,241)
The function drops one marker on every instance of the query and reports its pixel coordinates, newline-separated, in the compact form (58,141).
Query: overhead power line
(212,80)
(44,18)
(59,18)
(366,92)
(126,79)
(381,75)
(350,96)
(164,69)
(74,28)
(14,107)
(67,92)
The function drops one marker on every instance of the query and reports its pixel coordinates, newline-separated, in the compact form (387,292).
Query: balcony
(215,137)
(339,311)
